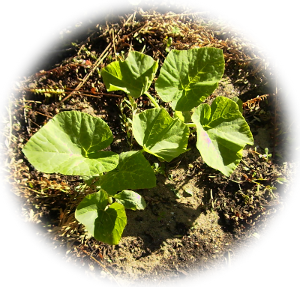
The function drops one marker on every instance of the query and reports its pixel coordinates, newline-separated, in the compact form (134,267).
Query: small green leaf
(105,223)
(188,77)
(239,103)
(222,133)
(132,76)
(159,168)
(169,43)
(133,172)
(131,200)
(159,134)
(71,143)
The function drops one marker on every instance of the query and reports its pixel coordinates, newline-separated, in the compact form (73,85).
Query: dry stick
(52,52)
(177,15)
(102,265)
(113,40)
(83,92)
(188,14)
(275,112)
(99,60)
(229,259)
(95,94)
(10,123)
(160,281)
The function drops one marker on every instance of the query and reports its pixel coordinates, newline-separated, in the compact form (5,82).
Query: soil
(196,218)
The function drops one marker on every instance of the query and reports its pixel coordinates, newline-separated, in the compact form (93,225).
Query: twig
(104,54)
(43,114)
(52,52)
(229,259)
(177,15)
(99,60)
(10,124)
(188,14)
(85,93)
(275,112)
(212,199)
(160,281)
(95,94)
(113,40)
(102,267)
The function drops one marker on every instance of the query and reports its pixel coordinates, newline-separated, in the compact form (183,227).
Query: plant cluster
(75,143)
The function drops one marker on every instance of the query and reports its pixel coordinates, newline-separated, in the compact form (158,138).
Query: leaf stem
(191,125)
(152,100)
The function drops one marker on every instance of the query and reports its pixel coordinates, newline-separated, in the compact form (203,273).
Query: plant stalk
(152,100)
(191,125)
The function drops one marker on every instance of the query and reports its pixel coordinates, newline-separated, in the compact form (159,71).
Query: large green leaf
(131,200)
(159,134)
(133,76)
(133,172)
(222,133)
(71,143)
(188,77)
(104,222)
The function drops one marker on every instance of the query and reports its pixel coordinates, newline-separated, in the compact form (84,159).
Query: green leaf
(159,134)
(71,143)
(133,172)
(188,77)
(131,200)
(222,133)
(132,76)
(239,103)
(184,116)
(105,223)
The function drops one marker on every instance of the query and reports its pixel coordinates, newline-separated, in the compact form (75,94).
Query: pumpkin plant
(75,143)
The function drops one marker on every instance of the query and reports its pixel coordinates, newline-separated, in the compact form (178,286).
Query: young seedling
(159,168)
(75,143)
(267,155)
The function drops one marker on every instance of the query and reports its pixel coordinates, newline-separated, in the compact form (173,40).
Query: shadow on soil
(172,212)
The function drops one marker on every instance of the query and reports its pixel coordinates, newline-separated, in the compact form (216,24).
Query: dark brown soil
(196,218)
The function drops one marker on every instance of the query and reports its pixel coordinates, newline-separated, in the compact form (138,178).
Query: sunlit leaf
(222,134)
(159,134)
(104,222)
(72,143)
(188,77)
(133,172)
(132,76)
(130,200)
